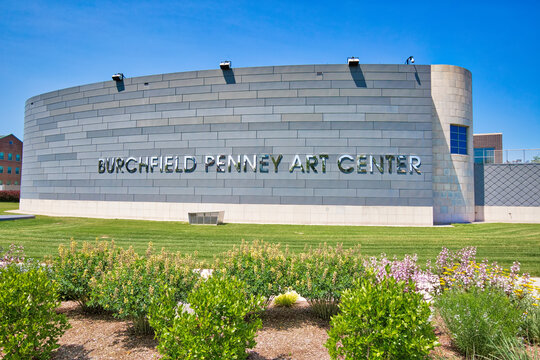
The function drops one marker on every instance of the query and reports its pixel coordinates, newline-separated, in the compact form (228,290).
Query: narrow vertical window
(10,156)
(18,157)
(458,139)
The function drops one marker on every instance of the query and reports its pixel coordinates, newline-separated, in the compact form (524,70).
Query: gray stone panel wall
(507,184)
(289,110)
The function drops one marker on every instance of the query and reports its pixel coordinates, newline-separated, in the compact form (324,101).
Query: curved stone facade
(308,144)
(453,174)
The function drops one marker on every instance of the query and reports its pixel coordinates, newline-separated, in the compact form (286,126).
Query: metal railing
(510,156)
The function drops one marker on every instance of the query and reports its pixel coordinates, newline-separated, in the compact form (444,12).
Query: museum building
(307,144)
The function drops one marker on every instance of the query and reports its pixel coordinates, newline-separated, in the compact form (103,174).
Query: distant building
(10,162)
(488,148)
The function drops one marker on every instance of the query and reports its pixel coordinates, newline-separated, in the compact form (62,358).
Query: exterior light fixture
(410,60)
(118,77)
(353,61)
(225,65)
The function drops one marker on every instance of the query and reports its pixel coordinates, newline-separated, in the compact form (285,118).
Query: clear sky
(50,45)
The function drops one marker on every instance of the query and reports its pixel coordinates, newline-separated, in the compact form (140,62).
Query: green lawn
(503,243)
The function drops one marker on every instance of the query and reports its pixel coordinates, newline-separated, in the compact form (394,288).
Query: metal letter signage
(264,163)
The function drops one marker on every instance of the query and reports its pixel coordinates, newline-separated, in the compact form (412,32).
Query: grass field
(503,243)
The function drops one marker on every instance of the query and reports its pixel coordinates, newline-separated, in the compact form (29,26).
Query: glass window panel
(1,156)
(18,157)
(17,170)
(10,156)
(9,170)
(458,139)
(1,169)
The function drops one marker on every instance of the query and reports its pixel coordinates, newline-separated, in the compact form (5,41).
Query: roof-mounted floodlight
(410,60)
(225,65)
(353,61)
(118,77)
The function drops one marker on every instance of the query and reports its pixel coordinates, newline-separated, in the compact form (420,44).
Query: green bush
(29,324)
(530,327)
(287,299)
(385,320)
(129,287)
(511,349)
(477,317)
(261,266)
(74,268)
(220,321)
(322,274)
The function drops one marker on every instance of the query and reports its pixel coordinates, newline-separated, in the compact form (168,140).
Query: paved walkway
(15,217)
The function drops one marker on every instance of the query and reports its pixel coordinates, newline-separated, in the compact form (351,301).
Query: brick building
(10,162)
(488,148)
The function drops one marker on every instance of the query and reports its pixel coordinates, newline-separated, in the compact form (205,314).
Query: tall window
(458,139)
(9,170)
(18,157)
(10,156)
(1,156)
(16,182)
(17,171)
(1,169)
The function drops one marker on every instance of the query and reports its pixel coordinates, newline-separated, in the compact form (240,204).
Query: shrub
(406,270)
(128,288)
(461,270)
(220,321)
(287,299)
(512,349)
(381,320)
(261,266)
(29,324)
(10,195)
(476,317)
(530,326)
(74,268)
(13,255)
(322,274)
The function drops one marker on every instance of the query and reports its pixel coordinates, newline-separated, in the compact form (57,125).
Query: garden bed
(287,333)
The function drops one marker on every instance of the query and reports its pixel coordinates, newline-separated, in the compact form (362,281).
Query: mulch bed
(287,333)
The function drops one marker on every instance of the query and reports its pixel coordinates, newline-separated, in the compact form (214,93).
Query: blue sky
(49,45)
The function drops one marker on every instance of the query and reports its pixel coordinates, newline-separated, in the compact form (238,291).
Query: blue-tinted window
(458,139)
(18,157)
(1,169)
(484,155)
(1,156)
(17,170)
(9,156)
(9,170)
(16,183)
